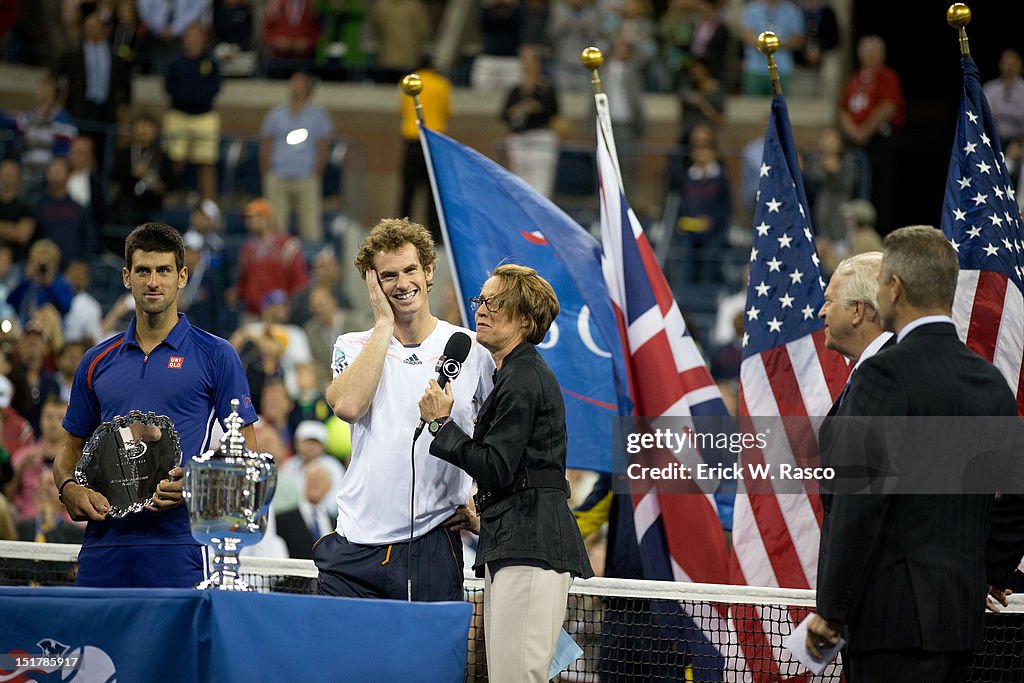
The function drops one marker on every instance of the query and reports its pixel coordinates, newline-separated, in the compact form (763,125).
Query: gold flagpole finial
(958,16)
(767,44)
(592,59)
(412,86)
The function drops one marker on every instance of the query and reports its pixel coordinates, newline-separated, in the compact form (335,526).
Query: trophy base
(225,582)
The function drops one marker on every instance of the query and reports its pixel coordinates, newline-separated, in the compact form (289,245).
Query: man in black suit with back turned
(903,576)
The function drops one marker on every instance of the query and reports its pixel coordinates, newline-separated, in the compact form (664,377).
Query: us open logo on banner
(54,660)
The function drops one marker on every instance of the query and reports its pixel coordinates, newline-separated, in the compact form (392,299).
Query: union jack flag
(786,371)
(680,535)
(982,220)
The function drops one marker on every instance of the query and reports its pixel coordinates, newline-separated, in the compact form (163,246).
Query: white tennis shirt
(373,501)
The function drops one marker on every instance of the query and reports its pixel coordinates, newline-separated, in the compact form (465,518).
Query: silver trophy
(126,458)
(228,492)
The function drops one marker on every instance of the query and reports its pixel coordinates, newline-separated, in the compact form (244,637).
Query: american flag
(679,534)
(786,371)
(982,220)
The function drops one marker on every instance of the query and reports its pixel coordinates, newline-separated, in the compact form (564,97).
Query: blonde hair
(526,293)
(49,318)
(45,248)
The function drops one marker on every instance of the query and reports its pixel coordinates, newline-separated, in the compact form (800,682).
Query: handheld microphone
(456,351)
(449,365)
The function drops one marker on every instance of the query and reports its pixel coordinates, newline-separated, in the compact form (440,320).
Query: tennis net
(629,630)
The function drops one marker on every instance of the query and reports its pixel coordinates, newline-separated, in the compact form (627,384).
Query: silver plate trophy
(125,459)
(228,492)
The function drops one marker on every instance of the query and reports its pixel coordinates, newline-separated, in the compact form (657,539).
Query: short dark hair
(155,237)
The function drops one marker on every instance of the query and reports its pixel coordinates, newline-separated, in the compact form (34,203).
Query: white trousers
(533,156)
(524,608)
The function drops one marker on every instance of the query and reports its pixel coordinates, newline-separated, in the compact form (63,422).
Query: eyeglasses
(489,303)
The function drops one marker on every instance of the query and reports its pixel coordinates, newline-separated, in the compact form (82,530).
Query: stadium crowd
(83,165)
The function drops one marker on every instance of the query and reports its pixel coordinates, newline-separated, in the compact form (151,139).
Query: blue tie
(842,394)
(846,389)
(315,526)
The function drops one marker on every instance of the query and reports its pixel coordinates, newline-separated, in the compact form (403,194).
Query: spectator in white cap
(310,443)
(205,220)
(201,299)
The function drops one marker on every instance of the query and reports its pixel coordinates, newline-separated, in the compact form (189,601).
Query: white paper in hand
(796,642)
(566,652)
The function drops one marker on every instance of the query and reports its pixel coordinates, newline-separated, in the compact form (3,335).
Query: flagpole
(412,86)
(767,44)
(958,16)
(592,59)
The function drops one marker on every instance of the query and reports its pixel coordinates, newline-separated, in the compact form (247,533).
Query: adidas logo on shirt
(413,360)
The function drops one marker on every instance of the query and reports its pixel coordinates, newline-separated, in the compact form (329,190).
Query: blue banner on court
(102,635)
(87,634)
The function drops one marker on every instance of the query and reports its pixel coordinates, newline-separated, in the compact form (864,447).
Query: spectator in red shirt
(270,259)
(291,29)
(871,111)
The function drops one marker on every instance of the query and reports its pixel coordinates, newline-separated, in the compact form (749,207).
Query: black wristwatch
(435,425)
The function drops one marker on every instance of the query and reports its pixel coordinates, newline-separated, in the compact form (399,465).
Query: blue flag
(491,216)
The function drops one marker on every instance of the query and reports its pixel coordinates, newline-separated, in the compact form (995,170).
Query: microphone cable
(412,513)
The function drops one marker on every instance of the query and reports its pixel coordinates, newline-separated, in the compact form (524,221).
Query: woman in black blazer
(530,546)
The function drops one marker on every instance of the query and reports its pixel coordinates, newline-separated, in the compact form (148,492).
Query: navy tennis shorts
(351,570)
(141,566)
